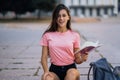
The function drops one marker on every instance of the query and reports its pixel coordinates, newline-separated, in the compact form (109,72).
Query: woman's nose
(61,17)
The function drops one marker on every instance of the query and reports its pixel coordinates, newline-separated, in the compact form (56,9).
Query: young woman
(60,43)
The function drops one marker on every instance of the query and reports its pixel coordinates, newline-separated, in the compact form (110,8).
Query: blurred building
(92,8)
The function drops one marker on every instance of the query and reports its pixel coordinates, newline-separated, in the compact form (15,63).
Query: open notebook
(89,46)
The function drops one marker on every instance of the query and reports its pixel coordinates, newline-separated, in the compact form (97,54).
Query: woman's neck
(62,30)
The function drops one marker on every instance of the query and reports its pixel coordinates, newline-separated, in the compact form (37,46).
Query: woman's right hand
(47,75)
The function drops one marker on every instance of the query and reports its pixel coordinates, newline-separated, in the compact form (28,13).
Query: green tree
(21,6)
(44,5)
(5,5)
(17,6)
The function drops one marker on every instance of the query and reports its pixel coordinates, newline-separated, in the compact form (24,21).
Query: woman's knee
(51,76)
(73,72)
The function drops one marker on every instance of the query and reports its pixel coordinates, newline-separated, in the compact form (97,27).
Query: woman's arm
(80,58)
(44,58)
(44,63)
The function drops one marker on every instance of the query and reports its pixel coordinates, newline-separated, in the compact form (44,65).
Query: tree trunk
(39,14)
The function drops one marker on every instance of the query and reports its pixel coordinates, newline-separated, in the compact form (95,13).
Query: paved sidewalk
(20,51)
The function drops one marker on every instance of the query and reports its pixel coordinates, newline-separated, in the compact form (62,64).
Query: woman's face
(63,18)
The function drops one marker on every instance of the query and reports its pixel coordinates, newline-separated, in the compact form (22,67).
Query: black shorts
(60,71)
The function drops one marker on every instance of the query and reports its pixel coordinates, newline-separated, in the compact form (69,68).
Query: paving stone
(31,52)
(85,78)
(17,72)
(12,51)
(3,66)
(5,60)
(20,78)
(22,60)
(20,66)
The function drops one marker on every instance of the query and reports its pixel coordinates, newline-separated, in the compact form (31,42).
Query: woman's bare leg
(72,74)
(52,76)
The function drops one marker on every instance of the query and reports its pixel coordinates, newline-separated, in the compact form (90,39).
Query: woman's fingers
(47,75)
(84,57)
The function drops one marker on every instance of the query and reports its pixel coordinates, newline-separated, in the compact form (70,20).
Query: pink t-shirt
(61,46)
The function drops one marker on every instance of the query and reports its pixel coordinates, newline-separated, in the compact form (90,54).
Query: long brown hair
(54,26)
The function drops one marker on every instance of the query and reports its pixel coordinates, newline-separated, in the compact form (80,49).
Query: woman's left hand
(80,58)
(84,57)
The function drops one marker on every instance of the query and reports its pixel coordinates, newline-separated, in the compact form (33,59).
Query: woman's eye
(64,15)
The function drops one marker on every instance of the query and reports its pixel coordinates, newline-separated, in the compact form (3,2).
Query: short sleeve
(77,41)
(44,40)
